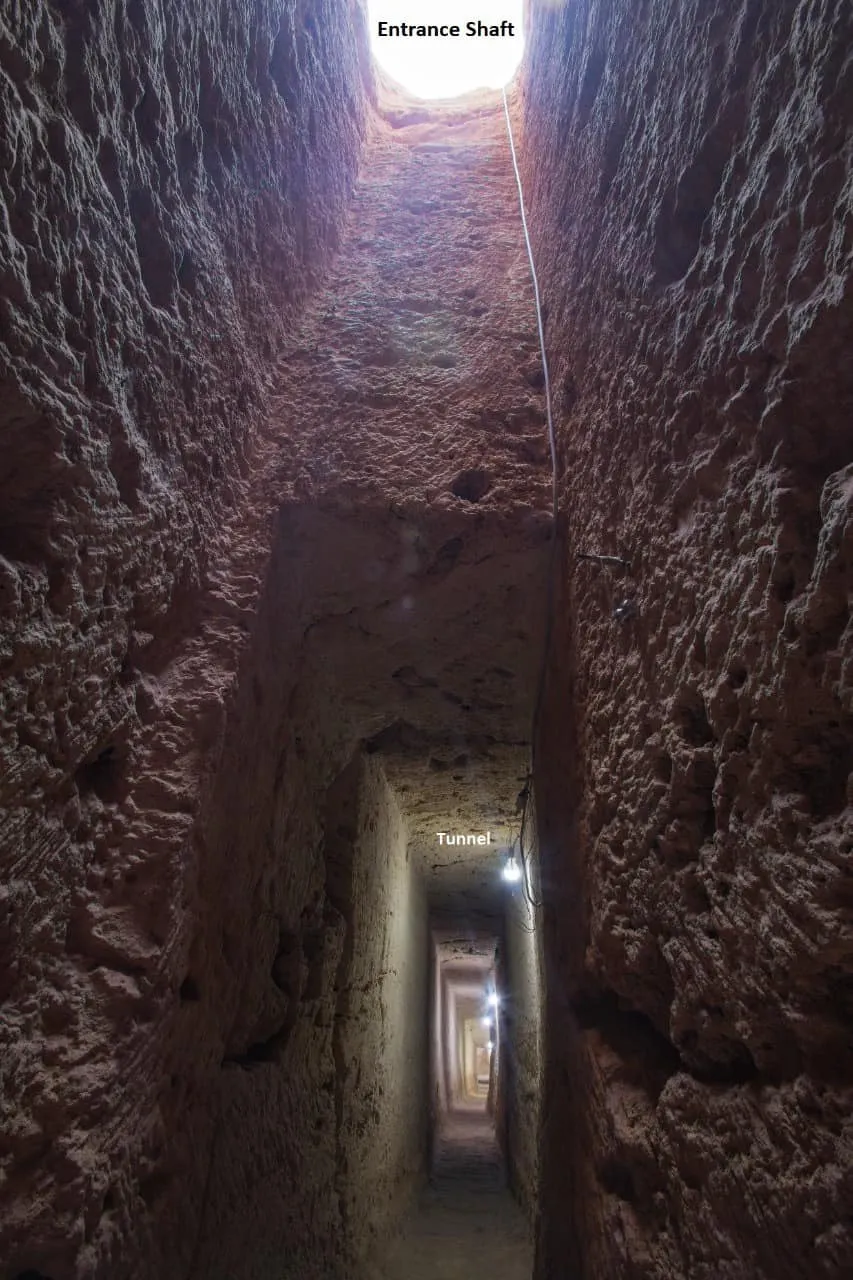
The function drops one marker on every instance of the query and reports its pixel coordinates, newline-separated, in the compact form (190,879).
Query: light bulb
(486,1020)
(490,1046)
(493,999)
(512,871)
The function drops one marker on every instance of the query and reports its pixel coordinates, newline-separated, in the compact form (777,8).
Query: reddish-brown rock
(158,166)
(689,169)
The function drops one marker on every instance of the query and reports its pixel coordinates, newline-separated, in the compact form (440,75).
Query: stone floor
(466,1222)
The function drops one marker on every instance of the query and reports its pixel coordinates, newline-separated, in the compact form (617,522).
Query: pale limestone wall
(381,1042)
(522,1023)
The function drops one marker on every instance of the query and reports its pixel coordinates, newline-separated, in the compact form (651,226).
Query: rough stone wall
(521,1021)
(321,1125)
(382,1013)
(173,180)
(688,167)
(283,1058)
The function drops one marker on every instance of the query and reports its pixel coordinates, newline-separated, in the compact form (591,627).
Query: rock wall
(173,182)
(383,1054)
(688,167)
(521,1021)
(319,1129)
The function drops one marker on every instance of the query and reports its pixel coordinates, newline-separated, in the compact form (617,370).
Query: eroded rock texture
(159,164)
(689,169)
(521,1014)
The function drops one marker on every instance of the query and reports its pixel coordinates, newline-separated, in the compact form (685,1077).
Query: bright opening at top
(483,54)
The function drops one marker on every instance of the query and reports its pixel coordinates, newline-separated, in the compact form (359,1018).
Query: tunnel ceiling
(465,949)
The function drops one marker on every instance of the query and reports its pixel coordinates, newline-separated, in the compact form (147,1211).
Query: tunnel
(426,667)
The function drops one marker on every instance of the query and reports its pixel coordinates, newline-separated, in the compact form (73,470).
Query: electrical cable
(551,437)
(550,600)
(525,868)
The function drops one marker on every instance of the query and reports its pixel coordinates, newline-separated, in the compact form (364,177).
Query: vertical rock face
(317,1115)
(522,1018)
(381,1026)
(689,170)
(173,178)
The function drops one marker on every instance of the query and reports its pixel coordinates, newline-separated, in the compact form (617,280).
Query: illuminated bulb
(493,999)
(486,1020)
(512,871)
(490,1046)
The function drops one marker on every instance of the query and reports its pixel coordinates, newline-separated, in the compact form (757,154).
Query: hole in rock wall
(189,990)
(471,485)
(102,775)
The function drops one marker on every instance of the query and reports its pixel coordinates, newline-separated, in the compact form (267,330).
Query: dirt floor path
(466,1222)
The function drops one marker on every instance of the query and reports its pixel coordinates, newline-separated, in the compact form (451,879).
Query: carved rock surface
(689,172)
(173,180)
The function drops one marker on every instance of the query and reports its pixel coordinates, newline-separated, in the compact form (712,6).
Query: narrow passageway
(426,671)
(466,1222)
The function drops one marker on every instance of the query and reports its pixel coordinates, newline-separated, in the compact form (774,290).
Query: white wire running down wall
(540,326)
(529,891)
